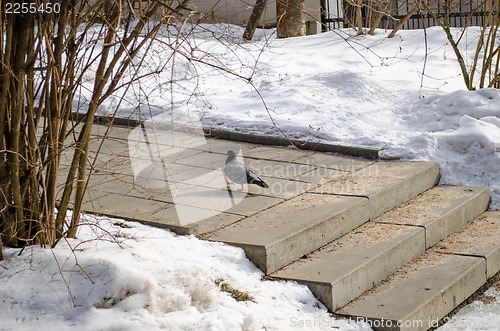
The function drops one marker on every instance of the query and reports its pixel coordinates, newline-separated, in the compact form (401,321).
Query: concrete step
(279,235)
(342,270)
(386,184)
(283,233)
(424,291)
(420,294)
(481,237)
(441,211)
(345,268)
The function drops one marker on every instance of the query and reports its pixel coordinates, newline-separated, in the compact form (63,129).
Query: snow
(369,91)
(128,276)
(479,315)
(404,95)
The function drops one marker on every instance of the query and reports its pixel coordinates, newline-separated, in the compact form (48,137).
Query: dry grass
(235,294)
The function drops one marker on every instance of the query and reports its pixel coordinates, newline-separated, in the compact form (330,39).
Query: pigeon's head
(231,155)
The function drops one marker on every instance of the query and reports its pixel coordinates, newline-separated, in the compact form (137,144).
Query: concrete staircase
(382,243)
(372,240)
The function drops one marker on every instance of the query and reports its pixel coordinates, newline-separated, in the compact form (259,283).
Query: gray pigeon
(238,173)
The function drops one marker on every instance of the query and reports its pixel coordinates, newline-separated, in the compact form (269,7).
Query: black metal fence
(336,15)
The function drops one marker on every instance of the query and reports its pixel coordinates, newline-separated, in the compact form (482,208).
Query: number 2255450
(33,8)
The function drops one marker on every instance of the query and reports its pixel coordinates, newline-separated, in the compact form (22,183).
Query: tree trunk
(254,19)
(382,7)
(359,16)
(402,22)
(291,18)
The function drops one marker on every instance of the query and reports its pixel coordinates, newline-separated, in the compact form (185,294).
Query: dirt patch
(482,231)
(427,259)
(426,206)
(309,200)
(355,183)
(371,232)
(497,286)
(415,211)
(361,237)
(454,245)
(487,299)
(424,260)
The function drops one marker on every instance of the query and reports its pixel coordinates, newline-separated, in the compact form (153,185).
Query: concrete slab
(280,235)
(220,200)
(198,142)
(222,146)
(201,159)
(156,181)
(279,187)
(121,136)
(336,162)
(169,218)
(105,162)
(320,175)
(150,212)
(186,174)
(129,207)
(277,169)
(214,223)
(345,268)
(125,185)
(247,205)
(118,132)
(174,174)
(480,237)
(441,210)
(91,199)
(160,152)
(279,225)
(111,163)
(421,293)
(277,153)
(385,184)
(109,146)
(144,168)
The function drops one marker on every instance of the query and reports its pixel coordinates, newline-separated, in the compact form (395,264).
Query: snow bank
(133,277)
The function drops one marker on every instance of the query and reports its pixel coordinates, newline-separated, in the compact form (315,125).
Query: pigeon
(238,173)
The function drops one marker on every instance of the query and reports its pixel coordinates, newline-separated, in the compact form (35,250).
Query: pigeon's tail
(261,183)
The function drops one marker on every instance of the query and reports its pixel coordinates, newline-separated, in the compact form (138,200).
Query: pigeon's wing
(236,172)
(252,178)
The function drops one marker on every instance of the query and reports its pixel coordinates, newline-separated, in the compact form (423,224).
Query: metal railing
(333,15)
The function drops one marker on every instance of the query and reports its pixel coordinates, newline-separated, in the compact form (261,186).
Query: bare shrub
(47,50)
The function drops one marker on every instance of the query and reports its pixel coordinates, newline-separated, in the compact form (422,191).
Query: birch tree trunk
(291,18)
